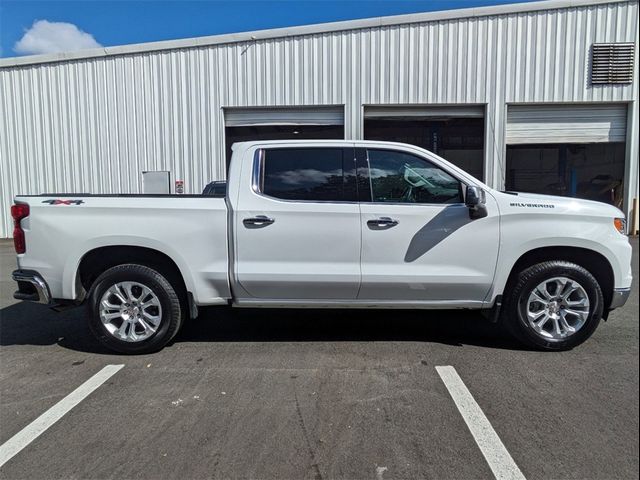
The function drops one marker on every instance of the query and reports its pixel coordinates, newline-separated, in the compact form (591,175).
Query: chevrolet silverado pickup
(326,224)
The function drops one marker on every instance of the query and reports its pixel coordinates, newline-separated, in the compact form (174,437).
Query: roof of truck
(238,145)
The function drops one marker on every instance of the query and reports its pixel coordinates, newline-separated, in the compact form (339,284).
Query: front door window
(399,177)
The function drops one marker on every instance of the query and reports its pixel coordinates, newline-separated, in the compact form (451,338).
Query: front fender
(617,253)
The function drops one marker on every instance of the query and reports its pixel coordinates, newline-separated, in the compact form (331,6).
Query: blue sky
(70,25)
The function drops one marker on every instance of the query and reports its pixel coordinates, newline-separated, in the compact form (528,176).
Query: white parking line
(494,451)
(32,431)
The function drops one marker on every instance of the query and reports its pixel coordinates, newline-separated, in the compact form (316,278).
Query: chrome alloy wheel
(130,311)
(557,308)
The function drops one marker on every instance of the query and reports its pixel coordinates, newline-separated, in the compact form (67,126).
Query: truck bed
(189,229)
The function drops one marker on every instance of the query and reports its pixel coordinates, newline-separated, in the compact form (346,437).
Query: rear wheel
(133,309)
(553,305)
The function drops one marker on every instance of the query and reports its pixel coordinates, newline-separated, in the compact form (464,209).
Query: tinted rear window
(305,174)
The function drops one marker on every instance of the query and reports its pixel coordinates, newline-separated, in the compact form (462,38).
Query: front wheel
(553,305)
(133,309)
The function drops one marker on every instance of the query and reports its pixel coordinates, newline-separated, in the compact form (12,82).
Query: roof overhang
(320,28)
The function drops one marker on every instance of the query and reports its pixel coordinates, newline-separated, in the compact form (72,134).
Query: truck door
(297,229)
(418,242)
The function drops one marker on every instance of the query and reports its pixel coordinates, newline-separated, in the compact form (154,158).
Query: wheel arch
(99,259)
(596,263)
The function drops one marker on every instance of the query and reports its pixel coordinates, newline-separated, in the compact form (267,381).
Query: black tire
(517,293)
(171,315)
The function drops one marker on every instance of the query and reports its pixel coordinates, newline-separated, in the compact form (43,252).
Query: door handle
(382,222)
(258,221)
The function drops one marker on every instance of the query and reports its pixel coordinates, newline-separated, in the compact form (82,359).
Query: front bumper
(31,287)
(620,296)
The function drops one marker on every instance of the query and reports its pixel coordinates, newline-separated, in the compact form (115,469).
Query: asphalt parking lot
(316,394)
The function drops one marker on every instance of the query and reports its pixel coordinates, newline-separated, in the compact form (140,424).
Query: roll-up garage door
(418,111)
(535,124)
(244,117)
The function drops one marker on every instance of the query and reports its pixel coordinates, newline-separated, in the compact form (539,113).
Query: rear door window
(309,174)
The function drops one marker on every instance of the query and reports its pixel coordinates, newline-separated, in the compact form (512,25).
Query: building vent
(612,63)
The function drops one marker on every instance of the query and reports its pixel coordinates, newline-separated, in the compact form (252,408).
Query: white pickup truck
(326,224)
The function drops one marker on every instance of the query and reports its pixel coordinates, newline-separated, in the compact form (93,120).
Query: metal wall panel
(530,124)
(94,124)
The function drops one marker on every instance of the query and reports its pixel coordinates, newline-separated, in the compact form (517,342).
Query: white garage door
(247,117)
(535,124)
(415,112)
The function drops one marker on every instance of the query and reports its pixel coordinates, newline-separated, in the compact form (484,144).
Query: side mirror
(475,199)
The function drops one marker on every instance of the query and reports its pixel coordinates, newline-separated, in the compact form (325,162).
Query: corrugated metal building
(536,96)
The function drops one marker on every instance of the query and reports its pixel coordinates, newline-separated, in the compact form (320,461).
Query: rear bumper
(620,296)
(31,287)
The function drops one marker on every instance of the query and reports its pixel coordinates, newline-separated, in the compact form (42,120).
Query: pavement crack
(305,432)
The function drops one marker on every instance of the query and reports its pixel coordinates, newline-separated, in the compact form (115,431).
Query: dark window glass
(304,174)
(404,178)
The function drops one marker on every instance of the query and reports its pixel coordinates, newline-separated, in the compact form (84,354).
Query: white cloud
(52,37)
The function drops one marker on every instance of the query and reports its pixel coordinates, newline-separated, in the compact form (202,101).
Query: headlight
(621,225)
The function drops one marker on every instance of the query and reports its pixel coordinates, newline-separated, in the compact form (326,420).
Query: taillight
(18,212)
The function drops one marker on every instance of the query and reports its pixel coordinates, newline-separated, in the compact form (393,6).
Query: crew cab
(326,224)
